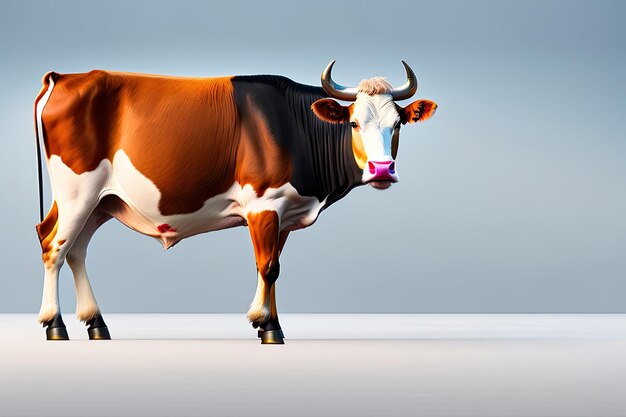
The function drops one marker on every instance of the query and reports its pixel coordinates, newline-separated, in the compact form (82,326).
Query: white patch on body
(41,104)
(79,189)
(142,197)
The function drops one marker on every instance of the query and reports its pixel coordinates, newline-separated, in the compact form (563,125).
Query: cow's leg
(267,241)
(86,306)
(50,313)
(57,234)
(267,334)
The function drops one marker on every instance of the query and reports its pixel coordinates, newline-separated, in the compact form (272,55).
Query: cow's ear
(418,111)
(329,110)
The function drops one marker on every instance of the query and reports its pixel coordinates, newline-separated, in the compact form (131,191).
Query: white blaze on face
(376,117)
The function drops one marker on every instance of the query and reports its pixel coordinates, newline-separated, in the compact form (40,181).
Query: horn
(409,88)
(336,90)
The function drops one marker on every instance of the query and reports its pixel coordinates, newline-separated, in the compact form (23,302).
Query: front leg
(268,242)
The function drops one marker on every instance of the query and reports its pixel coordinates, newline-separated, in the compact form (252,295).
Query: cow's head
(375,119)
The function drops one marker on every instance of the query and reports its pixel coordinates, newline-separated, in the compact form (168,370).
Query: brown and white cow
(172,157)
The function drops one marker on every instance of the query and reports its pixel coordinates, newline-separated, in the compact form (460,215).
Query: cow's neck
(322,161)
(334,170)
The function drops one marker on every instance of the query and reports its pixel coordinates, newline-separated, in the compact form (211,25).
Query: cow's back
(180,133)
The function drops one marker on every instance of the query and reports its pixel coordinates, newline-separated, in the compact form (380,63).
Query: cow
(172,157)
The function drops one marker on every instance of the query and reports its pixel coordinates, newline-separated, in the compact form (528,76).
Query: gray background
(512,198)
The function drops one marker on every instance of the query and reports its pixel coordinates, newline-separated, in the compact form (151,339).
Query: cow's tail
(40,102)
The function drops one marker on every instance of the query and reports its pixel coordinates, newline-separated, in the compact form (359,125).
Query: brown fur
(330,111)
(47,226)
(264,231)
(47,231)
(358,150)
(418,111)
(184,134)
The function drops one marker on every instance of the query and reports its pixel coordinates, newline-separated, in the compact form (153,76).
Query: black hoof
(98,329)
(272,337)
(55,329)
(270,333)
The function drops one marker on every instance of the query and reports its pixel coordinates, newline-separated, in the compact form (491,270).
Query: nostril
(372,167)
(392,168)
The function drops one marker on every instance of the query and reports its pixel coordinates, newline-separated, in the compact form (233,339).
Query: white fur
(373,86)
(50,299)
(41,104)
(259,311)
(376,116)
(86,306)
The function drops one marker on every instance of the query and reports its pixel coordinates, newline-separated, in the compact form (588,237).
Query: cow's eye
(354,125)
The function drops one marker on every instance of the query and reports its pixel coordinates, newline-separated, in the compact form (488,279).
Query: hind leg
(49,313)
(87,309)
(57,234)
(75,198)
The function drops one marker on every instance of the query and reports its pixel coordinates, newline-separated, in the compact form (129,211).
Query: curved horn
(336,90)
(409,88)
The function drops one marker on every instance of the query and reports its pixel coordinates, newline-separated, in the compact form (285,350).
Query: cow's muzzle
(380,174)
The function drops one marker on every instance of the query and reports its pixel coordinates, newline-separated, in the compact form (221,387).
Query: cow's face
(375,131)
(375,120)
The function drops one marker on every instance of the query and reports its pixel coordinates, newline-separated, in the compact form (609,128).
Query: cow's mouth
(381,185)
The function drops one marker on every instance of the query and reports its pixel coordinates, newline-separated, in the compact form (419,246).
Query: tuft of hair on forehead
(373,86)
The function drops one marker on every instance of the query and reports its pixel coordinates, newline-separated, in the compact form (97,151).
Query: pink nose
(382,171)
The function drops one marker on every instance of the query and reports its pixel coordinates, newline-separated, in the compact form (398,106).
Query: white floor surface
(332,365)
